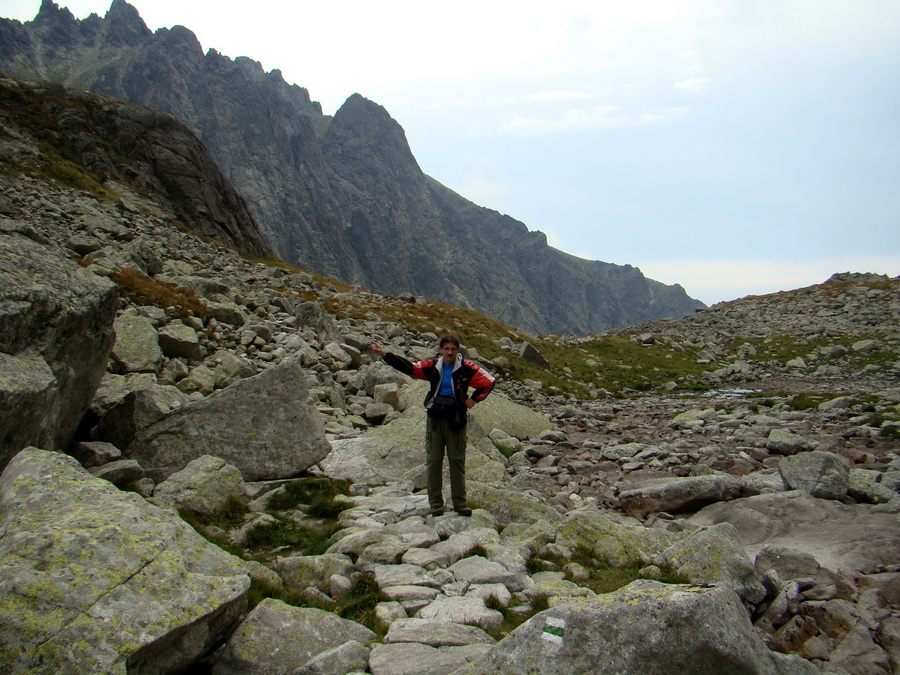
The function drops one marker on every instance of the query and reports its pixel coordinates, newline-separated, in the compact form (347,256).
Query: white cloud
(696,85)
(558,95)
(584,119)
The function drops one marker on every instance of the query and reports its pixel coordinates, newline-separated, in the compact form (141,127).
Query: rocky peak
(58,25)
(124,26)
(50,14)
(362,132)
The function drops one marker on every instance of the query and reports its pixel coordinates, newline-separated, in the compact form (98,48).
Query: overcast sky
(736,147)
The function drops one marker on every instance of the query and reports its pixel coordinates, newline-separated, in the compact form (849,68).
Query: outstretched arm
(394,361)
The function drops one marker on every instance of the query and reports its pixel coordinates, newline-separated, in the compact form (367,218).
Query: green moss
(360,605)
(320,496)
(310,539)
(230,515)
(808,400)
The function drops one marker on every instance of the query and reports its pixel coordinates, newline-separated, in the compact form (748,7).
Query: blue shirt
(446,388)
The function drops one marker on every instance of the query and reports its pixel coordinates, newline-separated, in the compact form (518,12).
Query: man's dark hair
(451,338)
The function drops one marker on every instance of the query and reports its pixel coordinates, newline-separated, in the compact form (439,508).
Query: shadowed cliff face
(84,140)
(344,196)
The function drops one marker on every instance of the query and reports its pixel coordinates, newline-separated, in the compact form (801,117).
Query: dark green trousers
(440,439)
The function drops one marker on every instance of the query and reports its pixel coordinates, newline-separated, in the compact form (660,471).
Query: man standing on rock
(447,404)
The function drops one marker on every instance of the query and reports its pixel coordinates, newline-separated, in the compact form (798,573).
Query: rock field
(771,496)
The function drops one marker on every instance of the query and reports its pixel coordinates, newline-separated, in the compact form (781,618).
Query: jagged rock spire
(124,26)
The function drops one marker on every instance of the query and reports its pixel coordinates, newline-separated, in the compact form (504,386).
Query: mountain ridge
(342,196)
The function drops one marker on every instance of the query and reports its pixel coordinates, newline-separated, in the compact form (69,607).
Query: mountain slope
(105,147)
(344,196)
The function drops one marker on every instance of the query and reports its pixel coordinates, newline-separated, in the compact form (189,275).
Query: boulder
(436,633)
(469,610)
(609,541)
(146,404)
(849,538)
(498,411)
(822,474)
(784,442)
(56,332)
(136,349)
(120,472)
(645,628)
(277,638)
(204,486)
(95,453)
(508,505)
(530,353)
(868,485)
(265,425)
(102,581)
(715,556)
(679,495)
(350,657)
(178,340)
(302,571)
(412,658)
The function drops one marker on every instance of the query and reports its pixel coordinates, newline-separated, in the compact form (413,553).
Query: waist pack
(443,408)
(448,408)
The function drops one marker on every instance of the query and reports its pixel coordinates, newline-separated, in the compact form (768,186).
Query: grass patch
(287,533)
(230,515)
(178,303)
(808,400)
(321,496)
(603,577)
(360,605)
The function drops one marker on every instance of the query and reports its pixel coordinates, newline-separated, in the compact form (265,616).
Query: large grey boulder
(822,474)
(145,404)
(436,633)
(679,495)
(508,505)
(204,486)
(469,610)
(265,425)
(645,628)
(414,658)
(610,541)
(498,411)
(277,638)
(350,657)
(56,332)
(849,538)
(178,340)
(94,580)
(875,487)
(301,572)
(715,556)
(136,349)
(784,442)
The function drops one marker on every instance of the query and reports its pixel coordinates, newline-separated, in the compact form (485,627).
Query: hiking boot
(437,512)
(464,511)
